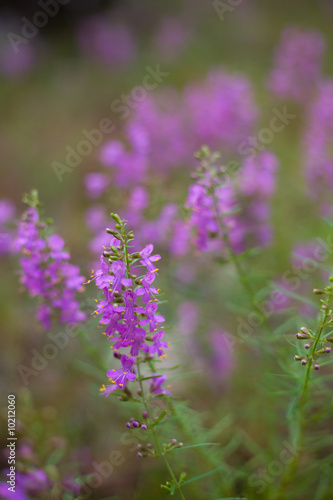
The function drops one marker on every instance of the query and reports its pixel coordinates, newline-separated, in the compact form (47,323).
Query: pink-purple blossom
(46,272)
(297,65)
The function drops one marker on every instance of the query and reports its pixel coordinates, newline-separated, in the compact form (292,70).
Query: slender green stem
(240,271)
(126,251)
(303,398)
(158,446)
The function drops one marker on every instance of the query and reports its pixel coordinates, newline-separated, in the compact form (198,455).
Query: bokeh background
(64,80)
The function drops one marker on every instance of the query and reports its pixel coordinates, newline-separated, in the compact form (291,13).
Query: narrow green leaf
(296,296)
(196,446)
(56,456)
(158,420)
(88,369)
(202,476)
(328,222)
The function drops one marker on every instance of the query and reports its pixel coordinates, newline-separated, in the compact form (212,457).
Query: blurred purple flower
(156,385)
(46,271)
(221,359)
(96,183)
(317,144)
(220,111)
(7,211)
(297,65)
(108,42)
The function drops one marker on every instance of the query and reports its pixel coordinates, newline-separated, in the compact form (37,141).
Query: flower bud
(298,358)
(302,335)
(318,291)
(116,218)
(305,330)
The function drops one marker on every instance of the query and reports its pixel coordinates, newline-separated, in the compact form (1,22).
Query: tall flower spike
(123,314)
(238,209)
(45,268)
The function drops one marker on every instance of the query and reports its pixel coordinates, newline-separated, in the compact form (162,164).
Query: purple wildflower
(239,209)
(156,385)
(152,319)
(121,313)
(317,145)
(297,65)
(96,183)
(46,271)
(7,211)
(146,290)
(221,361)
(148,259)
(119,378)
(159,344)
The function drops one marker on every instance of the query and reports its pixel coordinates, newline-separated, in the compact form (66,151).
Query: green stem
(240,271)
(303,398)
(158,446)
(126,251)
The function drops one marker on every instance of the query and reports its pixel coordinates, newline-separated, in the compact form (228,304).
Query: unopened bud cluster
(136,424)
(314,341)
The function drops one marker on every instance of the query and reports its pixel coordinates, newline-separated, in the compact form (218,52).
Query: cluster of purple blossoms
(46,271)
(166,229)
(317,144)
(256,184)
(236,209)
(298,65)
(208,201)
(218,111)
(221,358)
(129,164)
(30,480)
(130,326)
